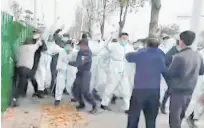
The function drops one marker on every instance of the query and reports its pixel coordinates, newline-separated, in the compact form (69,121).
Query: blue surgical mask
(67,48)
(78,47)
(123,42)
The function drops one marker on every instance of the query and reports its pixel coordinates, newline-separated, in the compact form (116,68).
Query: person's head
(84,36)
(65,38)
(123,38)
(186,39)
(83,44)
(36,34)
(153,42)
(68,46)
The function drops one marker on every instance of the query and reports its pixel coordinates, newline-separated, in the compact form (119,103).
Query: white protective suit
(96,48)
(66,74)
(195,105)
(43,73)
(118,75)
(165,46)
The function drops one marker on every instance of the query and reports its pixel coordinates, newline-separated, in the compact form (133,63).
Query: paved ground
(104,119)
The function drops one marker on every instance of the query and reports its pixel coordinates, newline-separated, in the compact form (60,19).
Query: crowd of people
(104,71)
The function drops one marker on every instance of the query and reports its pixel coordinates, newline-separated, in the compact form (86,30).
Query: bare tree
(76,28)
(154,31)
(16,9)
(125,5)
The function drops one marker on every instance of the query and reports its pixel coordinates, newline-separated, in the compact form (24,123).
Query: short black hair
(187,37)
(84,42)
(153,42)
(66,35)
(114,40)
(123,34)
(84,36)
(166,38)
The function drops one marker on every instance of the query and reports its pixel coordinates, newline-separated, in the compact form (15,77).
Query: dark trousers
(178,105)
(81,88)
(22,76)
(146,100)
(165,98)
(53,69)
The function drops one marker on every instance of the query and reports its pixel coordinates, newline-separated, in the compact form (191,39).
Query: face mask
(65,39)
(67,48)
(124,43)
(78,47)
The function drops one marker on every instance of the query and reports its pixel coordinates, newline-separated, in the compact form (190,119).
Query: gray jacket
(185,68)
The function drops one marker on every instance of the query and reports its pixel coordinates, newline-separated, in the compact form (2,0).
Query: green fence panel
(12,34)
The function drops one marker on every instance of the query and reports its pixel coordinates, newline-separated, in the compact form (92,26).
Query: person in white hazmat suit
(196,108)
(43,73)
(66,73)
(96,47)
(99,80)
(118,77)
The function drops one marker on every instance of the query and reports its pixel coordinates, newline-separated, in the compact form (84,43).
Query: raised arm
(131,57)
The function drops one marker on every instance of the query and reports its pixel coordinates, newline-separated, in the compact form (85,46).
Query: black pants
(81,88)
(178,105)
(23,75)
(53,69)
(146,100)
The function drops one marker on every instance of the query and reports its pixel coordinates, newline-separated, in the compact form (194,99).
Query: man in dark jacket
(150,63)
(83,76)
(184,70)
(169,55)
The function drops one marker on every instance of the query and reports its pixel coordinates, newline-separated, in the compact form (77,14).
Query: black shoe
(65,92)
(39,94)
(96,96)
(45,92)
(105,108)
(113,100)
(80,106)
(57,102)
(126,111)
(14,103)
(163,110)
(73,100)
(191,122)
(94,110)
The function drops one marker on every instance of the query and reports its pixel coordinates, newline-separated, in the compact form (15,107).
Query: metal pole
(195,19)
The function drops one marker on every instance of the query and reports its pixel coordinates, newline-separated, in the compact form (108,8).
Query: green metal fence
(12,34)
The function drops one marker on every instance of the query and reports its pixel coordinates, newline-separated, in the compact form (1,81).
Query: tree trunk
(153,27)
(103,19)
(123,16)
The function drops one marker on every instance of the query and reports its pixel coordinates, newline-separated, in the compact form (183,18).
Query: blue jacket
(83,61)
(150,64)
